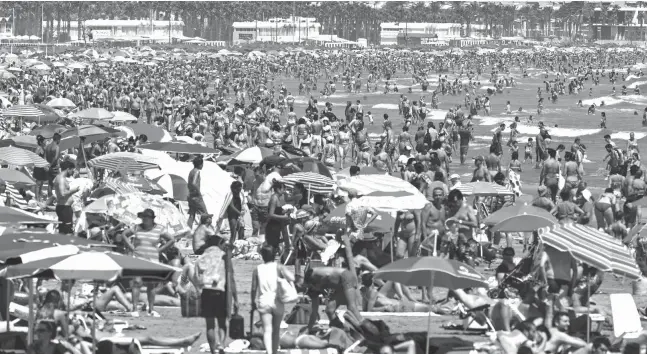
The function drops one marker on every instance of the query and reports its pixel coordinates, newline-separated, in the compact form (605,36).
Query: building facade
(124,29)
(425,33)
(281,30)
(6,26)
(628,23)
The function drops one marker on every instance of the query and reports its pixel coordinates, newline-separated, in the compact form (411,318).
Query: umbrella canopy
(313,182)
(484,189)
(15,177)
(306,164)
(22,141)
(16,216)
(394,201)
(120,116)
(95,113)
(179,147)
(61,102)
(520,218)
(5,75)
(49,130)
(588,245)
(128,161)
(152,132)
(29,112)
(254,154)
(21,157)
(90,132)
(98,266)
(124,207)
(22,238)
(367,184)
(368,170)
(25,253)
(432,271)
(180,186)
(383,221)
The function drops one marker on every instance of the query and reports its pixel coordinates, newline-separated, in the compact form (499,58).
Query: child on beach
(603,120)
(507,108)
(515,164)
(528,151)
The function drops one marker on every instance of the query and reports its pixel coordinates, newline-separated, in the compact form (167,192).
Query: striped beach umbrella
(367,184)
(313,182)
(97,266)
(22,111)
(120,161)
(95,113)
(484,189)
(254,154)
(13,216)
(593,247)
(21,157)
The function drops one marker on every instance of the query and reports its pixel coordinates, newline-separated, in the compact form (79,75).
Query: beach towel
(626,320)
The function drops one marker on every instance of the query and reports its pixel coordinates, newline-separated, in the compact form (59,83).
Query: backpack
(210,267)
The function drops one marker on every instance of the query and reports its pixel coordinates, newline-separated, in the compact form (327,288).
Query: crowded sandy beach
(307,199)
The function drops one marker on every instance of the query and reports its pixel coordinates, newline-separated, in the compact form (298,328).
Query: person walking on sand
(64,198)
(196,202)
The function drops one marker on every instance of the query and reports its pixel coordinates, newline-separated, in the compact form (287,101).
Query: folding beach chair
(107,343)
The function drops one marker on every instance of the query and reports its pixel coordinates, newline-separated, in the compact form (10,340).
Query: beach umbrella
(124,207)
(305,164)
(180,190)
(254,154)
(16,216)
(49,130)
(15,177)
(120,116)
(179,147)
(134,184)
(25,253)
(593,247)
(484,189)
(519,218)
(26,238)
(394,201)
(368,170)
(430,272)
(5,75)
(74,66)
(367,184)
(383,221)
(128,161)
(97,266)
(152,132)
(95,113)
(21,157)
(90,133)
(22,141)
(57,64)
(61,102)
(23,111)
(14,69)
(314,182)
(50,114)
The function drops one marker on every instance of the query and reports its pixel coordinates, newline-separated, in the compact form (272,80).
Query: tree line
(350,20)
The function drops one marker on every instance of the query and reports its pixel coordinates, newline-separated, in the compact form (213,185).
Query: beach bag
(210,267)
(285,290)
(237,327)
(190,302)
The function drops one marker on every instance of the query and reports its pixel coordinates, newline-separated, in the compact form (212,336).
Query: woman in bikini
(406,227)
(605,208)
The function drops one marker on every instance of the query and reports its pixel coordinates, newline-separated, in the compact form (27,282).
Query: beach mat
(287,351)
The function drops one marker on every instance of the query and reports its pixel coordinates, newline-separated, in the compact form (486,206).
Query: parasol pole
(30,335)
(8,293)
(429,313)
(309,192)
(94,318)
(588,315)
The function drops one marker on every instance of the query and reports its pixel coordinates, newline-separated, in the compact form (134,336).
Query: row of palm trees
(350,20)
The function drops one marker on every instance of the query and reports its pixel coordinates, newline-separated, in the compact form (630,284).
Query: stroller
(517,280)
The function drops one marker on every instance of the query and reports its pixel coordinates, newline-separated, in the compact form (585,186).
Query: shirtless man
(481,172)
(382,160)
(342,281)
(317,129)
(52,155)
(572,171)
(458,209)
(493,162)
(64,198)
(433,216)
(549,175)
(262,132)
(559,337)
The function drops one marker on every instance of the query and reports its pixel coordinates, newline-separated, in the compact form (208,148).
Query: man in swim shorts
(549,175)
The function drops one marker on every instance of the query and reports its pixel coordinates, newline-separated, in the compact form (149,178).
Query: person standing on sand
(549,175)
(64,199)
(196,202)
(52,155)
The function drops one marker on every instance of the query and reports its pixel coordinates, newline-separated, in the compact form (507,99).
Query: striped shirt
(145,242)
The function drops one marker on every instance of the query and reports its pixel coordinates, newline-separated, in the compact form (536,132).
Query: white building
(284,30)
(124,29)
(425,32)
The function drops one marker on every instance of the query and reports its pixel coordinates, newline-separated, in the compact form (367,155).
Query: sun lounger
(626,320)
(144,349)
